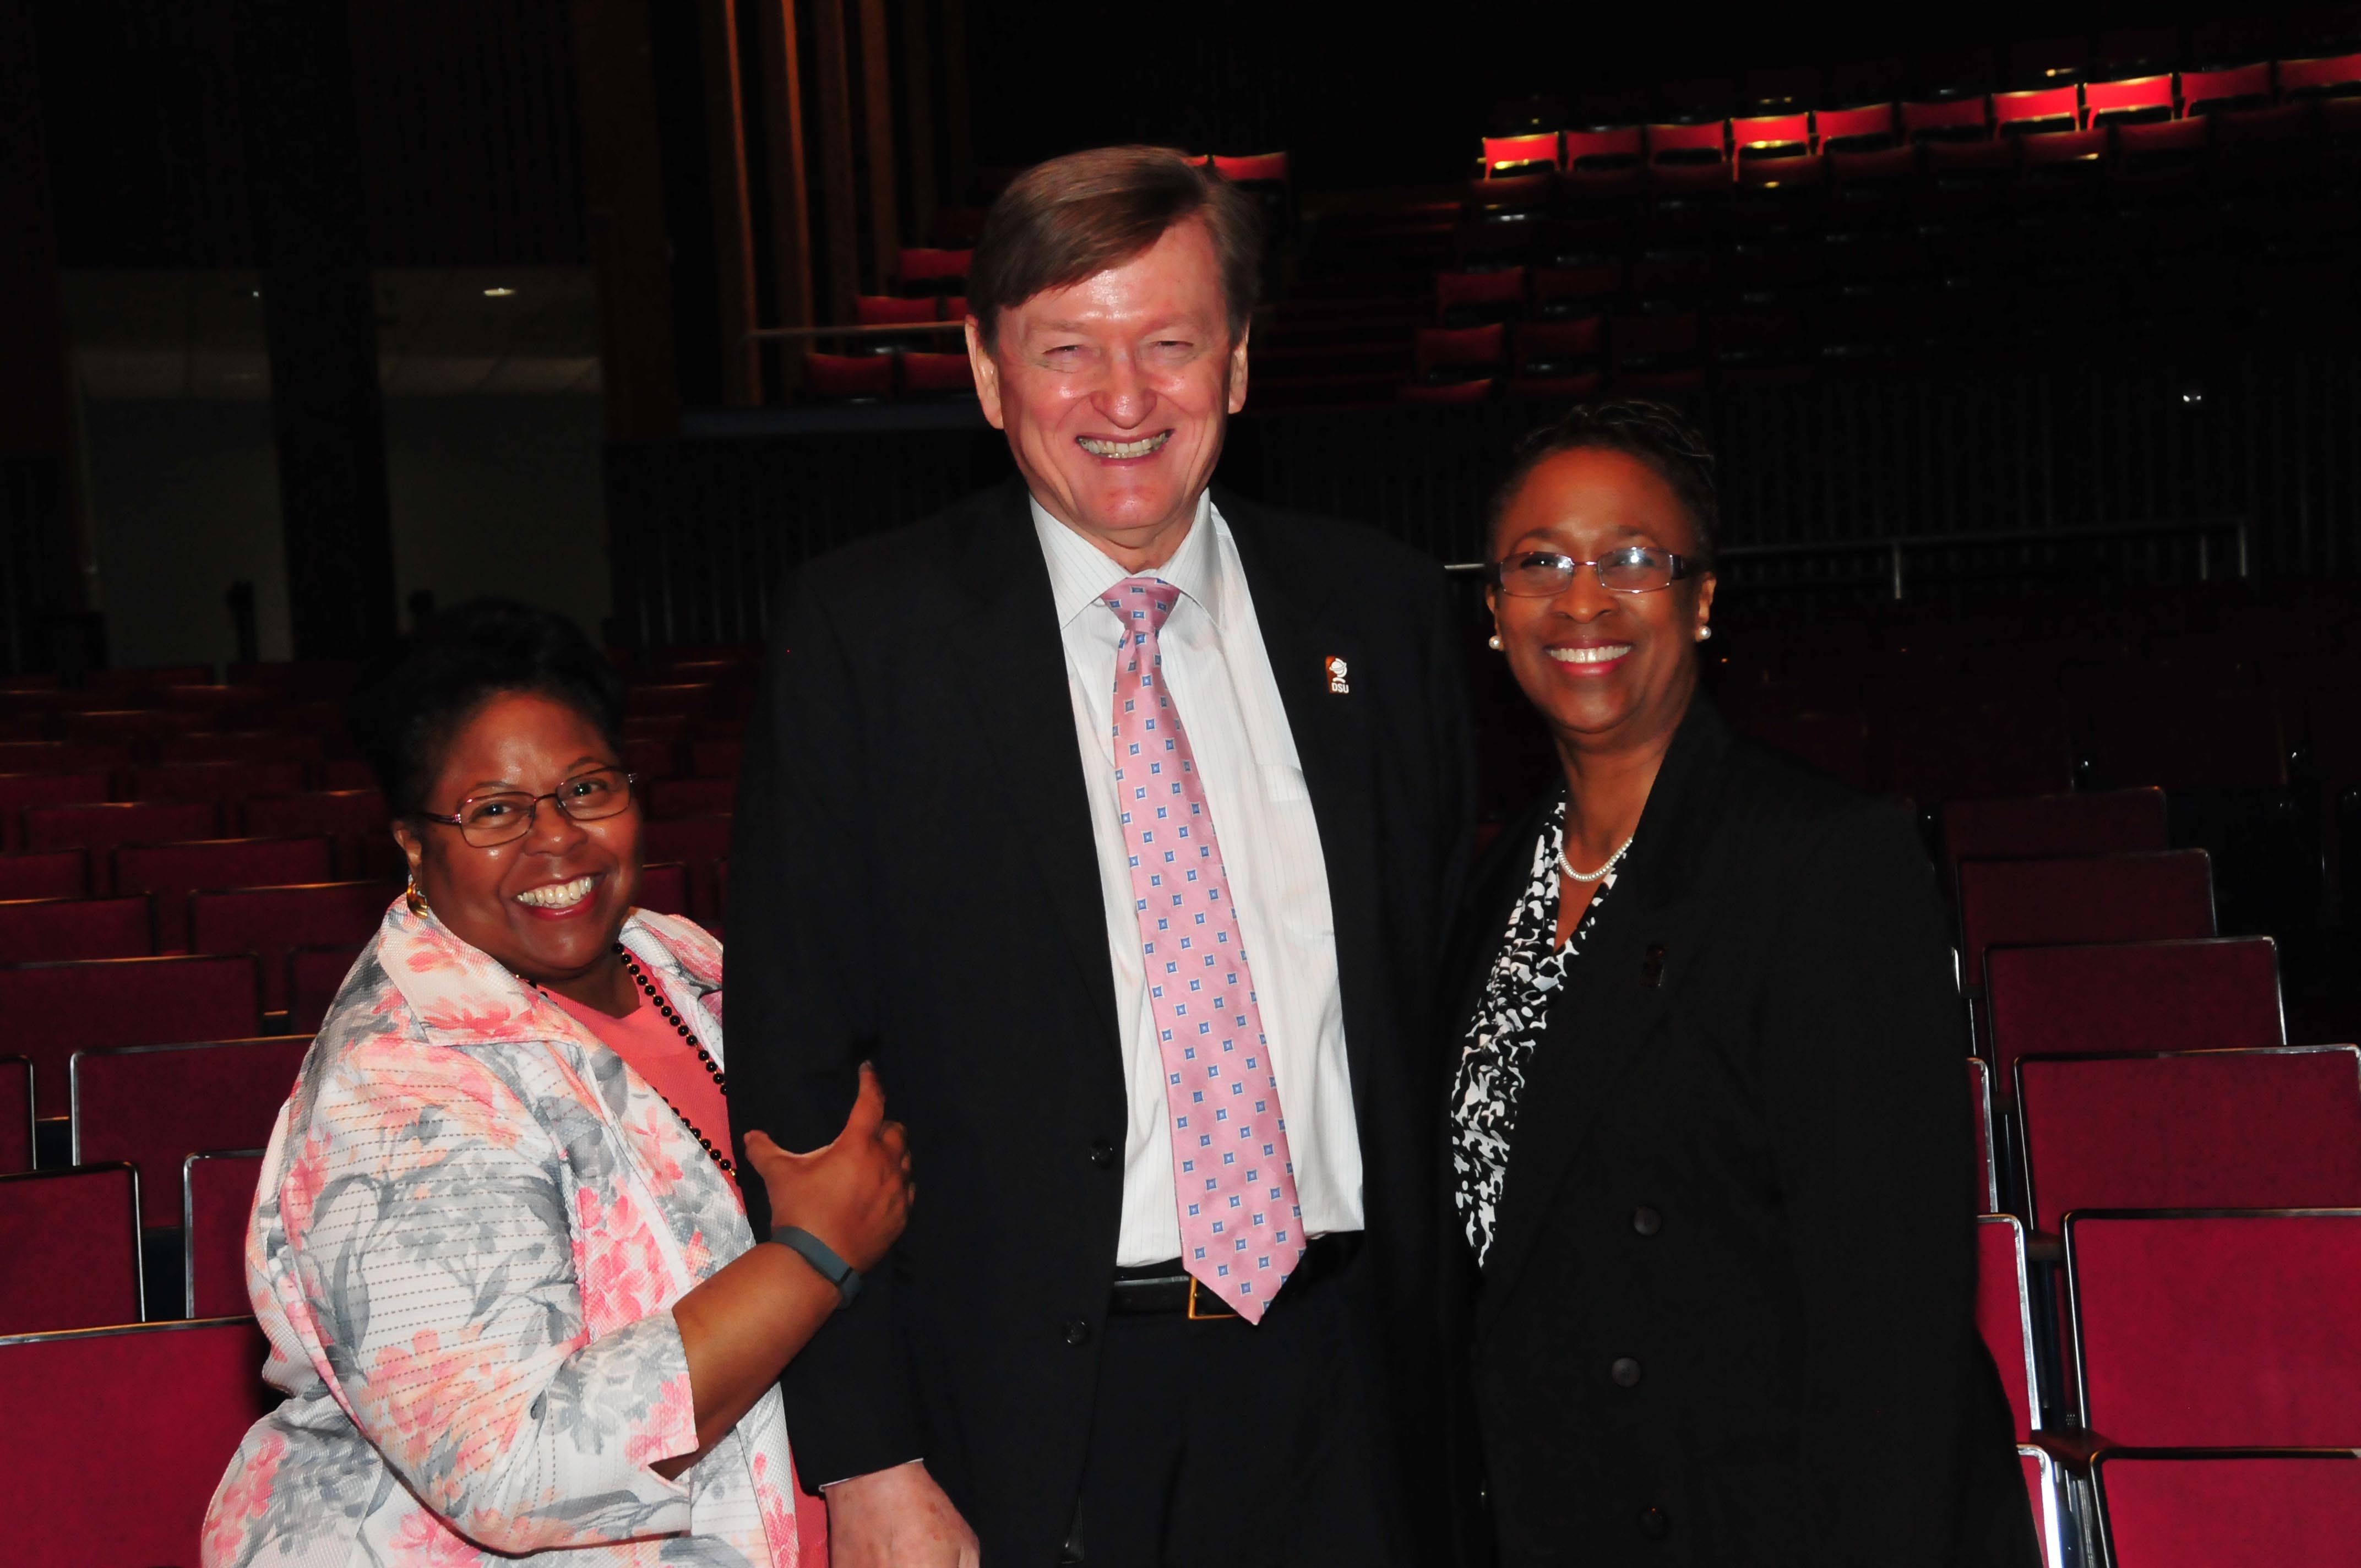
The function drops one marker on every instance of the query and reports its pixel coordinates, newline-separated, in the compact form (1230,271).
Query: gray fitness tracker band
(822,1257)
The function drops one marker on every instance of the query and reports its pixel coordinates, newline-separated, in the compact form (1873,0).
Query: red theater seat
(2136,99)
(341,774)
(257,746)
(1459,353)
(55,1009)
(848,377)
(716,759)
(136,1426)
(1467,299)
(2228,1511)
(1945,120)
(61,757)
(1678,145)
(72,1242)
(2218,1329)
(214,780)
(2115,822)
(52,873)
(2040,111)
(922,271)
(315,975)
(354,820)
(1949,753)
(1980,1109)
(2004,1313)
(1871,128)
(664,888)
(272,921)
(1252,168)
(102,827)
(2274,1128)
(937,375)
(1778,138)
(19,791)
(690,697)
(16,1115)
(173,872)
(45,930)
(1522,155)
(697,842)
(132,726)
(2097,898)
(2213,92)
(2146,740)
(155,1105)
(2323,76)
(890,309)
(2208,994)
(668,798)
(216,1205)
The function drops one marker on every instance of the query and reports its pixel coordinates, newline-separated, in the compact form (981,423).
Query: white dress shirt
(1221,681)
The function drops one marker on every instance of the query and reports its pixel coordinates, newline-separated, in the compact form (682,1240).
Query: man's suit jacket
(913,880)
(1728,1312)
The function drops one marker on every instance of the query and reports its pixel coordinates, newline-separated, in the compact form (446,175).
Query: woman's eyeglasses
(1544,574)
(487,821)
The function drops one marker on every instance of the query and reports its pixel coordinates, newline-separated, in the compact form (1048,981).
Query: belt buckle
(1212,1317)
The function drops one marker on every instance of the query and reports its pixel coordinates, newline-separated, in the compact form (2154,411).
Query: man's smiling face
(1113,393)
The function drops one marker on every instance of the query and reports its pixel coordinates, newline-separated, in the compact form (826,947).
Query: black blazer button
(1103,1154)
(1646,1220)
(1626,1372)
(1655,1524)
(1077,1333)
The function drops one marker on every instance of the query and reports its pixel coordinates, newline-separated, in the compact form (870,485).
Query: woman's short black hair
(1655,432)
(408,707)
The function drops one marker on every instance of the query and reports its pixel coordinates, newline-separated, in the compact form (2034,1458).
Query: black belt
(1168,1289)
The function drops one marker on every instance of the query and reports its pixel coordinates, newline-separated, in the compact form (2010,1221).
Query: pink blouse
(660,1054)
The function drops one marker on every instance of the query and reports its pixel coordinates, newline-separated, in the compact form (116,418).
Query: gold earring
(413,897)
(1496,643)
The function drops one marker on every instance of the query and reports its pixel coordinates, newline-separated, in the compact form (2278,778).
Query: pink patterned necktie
(1241,1230)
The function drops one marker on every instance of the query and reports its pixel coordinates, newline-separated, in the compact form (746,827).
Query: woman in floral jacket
(498,1245)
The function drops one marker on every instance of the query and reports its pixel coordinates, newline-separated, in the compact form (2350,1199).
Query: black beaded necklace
(662,1004)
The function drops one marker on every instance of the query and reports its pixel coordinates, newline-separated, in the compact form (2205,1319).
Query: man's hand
(896,1518)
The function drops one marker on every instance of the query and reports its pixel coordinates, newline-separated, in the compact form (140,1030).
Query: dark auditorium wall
(491,495)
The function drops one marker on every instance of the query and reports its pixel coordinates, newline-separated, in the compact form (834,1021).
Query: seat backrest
(2004,1313)
(2204,91)
(248,746)
(697,796)
(18,790)
(172,871)
(55,1009)
(1515,152)
(675,697)
(2015,748)
(665,888)
(2133,95)
(1604,149)
(61,757)
(2228,1511)
(1758,135)
(44,930)
(716,759)
(50,873)
(695,841)
(315,975)
(71,1241)
(155,1105)
(1504,286)
(1252,168)
(1980,1109)
(2217,1328)
(2202,994)
(271,922)
(2113,822)
(216,1203)
(103,827)
(2321,74)
(214,780)
(1945,118)
(2037,108)
(2278,1127)
(137,1426)
(2091,898)
(346,817)
(16,1115)
(1860,128)
(1705,143)
(2145,740)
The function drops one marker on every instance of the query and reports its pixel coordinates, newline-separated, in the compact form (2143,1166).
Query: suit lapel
(1614,998)
(1015,676)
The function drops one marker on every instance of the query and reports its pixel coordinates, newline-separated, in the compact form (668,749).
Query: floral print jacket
(472,1224)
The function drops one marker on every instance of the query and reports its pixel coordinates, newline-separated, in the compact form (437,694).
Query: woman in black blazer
(1708,1147)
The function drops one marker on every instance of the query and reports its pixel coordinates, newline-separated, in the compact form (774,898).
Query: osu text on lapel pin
(1338,681)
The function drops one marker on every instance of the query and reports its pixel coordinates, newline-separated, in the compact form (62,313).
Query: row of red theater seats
(2137,102)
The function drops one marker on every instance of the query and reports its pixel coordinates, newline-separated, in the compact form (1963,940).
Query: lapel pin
(1652,967)
(1338,683)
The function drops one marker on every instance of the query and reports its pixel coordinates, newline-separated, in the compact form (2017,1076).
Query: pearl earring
(1496,643)
(1704,632)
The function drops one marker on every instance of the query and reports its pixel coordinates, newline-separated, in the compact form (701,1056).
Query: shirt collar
(1081,574)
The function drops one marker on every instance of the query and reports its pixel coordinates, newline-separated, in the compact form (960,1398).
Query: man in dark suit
(1116,819)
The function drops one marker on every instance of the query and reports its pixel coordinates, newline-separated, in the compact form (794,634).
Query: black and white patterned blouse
(1505,1032)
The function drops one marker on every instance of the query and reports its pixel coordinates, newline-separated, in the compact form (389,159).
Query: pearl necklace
(662,1004)
(1612,861)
